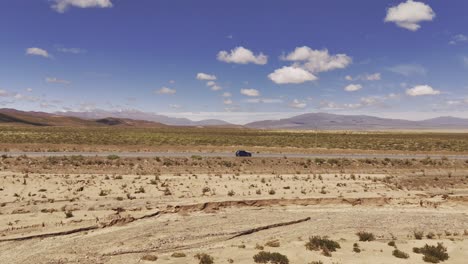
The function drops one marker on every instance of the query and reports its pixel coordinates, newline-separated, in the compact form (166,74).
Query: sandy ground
(115,218)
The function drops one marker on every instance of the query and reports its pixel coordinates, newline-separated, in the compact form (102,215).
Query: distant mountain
(139,115)
(326,121)
(16,117)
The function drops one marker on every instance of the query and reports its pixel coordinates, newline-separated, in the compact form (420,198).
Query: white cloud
(205,77)
(166,90)
(227,102)
(216,87)
(56,80)
(29,90)
(460,38)
(71,50)
(290,74)
(297,104)
(318,60)
(175,106)
(365,77)
(353,87)
(264,100)
(372,77)
(210,83)
(226,94)
(37,52)
(63,5)
(410,14)
(250,92)
(241,55)
(465,60)
(422,90)
(408,69)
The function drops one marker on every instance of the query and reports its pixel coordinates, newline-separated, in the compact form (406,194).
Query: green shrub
(268,257)
(113,157)
(365,236)
(433,254)
(204,258)
(400,254)
(418,235)
(149,258)
(272,243)
(178,255)
(324,244)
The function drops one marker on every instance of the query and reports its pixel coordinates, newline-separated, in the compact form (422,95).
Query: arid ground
(168,210)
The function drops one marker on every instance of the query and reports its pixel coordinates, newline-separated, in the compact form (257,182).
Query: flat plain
(198,209)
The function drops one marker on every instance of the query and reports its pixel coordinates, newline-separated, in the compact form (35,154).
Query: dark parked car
(243,153)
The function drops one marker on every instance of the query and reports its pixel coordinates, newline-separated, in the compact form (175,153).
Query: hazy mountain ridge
(357,122)
(138,115)
(310,121)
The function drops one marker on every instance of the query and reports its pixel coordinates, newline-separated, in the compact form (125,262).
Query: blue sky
(254,59)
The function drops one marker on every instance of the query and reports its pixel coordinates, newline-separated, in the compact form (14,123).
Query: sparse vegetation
(317,243)
(400,254)
(204,258)
(433,254)
(268,257)
(365,236)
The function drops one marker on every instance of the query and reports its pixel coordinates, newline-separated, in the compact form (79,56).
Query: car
(243,153)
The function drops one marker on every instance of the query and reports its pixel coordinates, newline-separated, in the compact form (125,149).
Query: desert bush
(400,254)
(268,257)
(365,236)
(356,248)
(433,254)
(149,258)
(392,243)
(113,157)
(418,235)
(324,244)
(272,243)
(68,214)
(204,258)
(178,255)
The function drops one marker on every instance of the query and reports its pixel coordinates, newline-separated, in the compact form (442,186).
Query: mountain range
(310,121)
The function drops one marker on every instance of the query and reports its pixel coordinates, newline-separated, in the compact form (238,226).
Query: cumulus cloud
(460,38)
(166,90)
(62,6)
(410,14)
(37,52)
(216,87)
(290,74)
(226,94)
(353,87)
(175,106)
(297,104)
(264,100)
(56,80)
(241,55)
(250,92)
(317,61)
(408,69)
(205,77)
(372,77)
(29,90)
(227,102)
(306,63)
(422,90)
(71,50)
(365,77)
